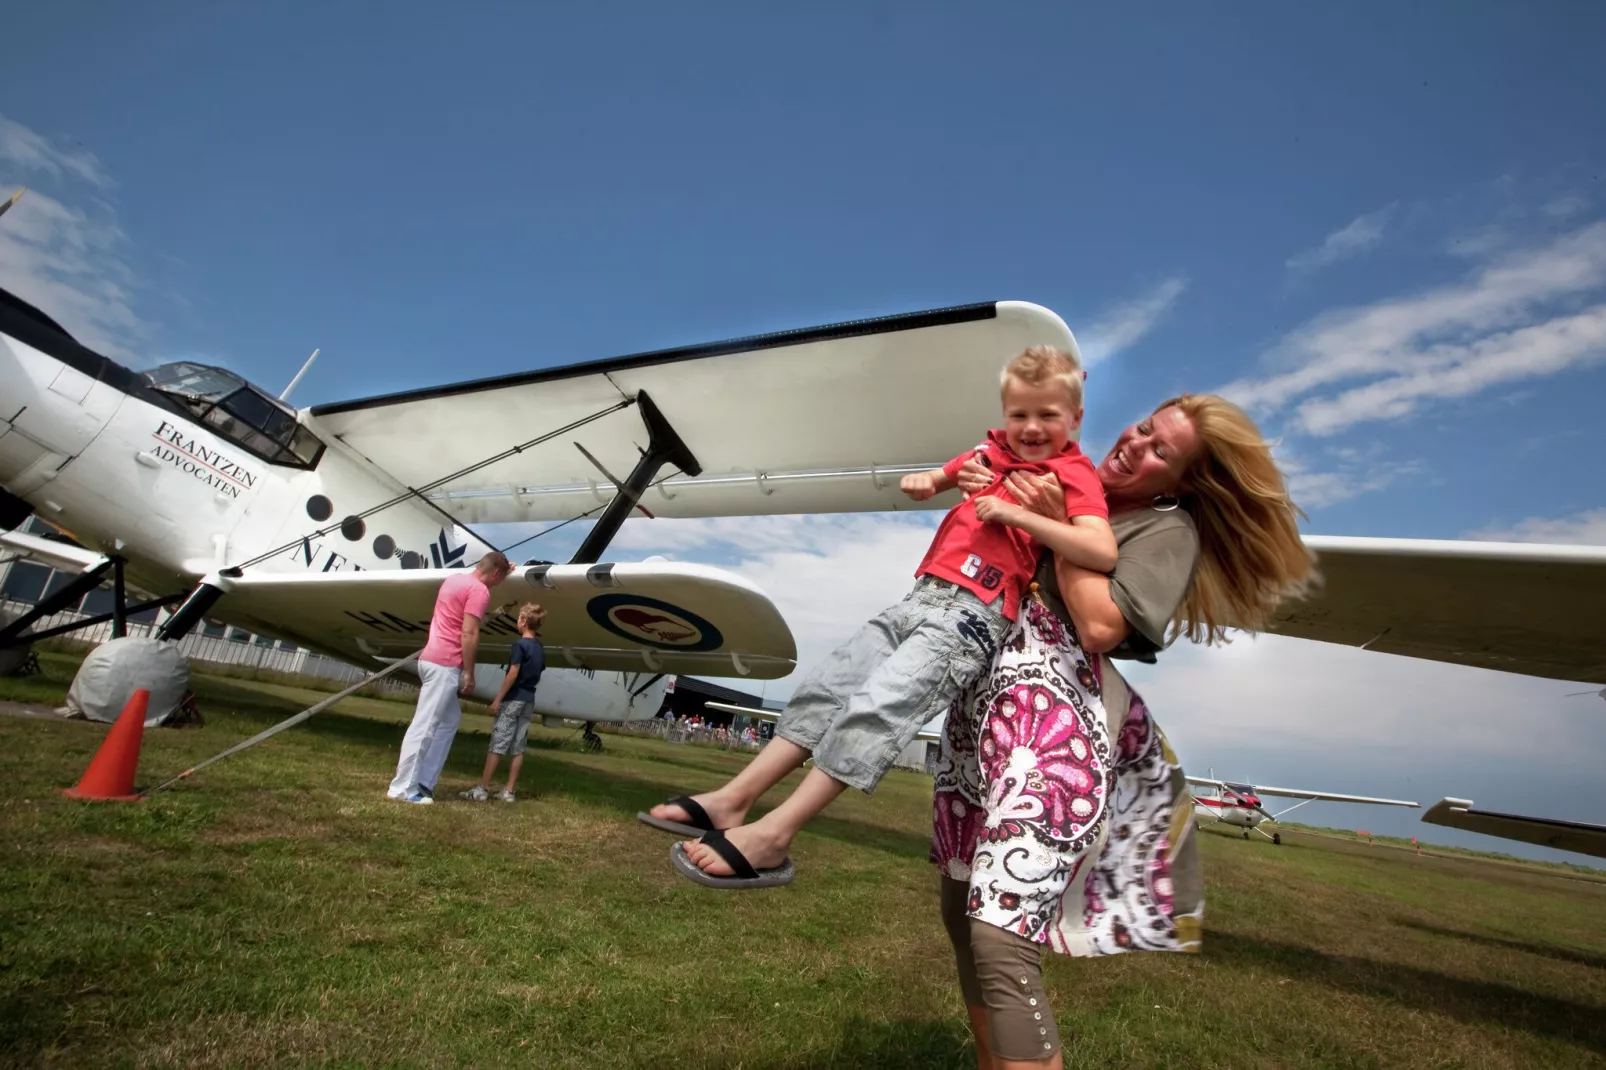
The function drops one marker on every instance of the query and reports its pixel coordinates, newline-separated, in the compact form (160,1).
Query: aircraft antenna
(286,395)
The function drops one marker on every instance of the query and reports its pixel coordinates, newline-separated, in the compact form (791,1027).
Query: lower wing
(1576,836)
(1517,607)
(657,617)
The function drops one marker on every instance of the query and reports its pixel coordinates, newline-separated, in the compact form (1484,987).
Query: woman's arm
(1086,594)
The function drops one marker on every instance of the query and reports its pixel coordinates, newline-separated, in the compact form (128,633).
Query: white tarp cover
(114,670)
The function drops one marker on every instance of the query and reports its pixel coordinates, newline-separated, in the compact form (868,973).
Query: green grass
(276,908)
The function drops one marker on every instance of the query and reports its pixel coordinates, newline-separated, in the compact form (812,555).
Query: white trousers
(429,737)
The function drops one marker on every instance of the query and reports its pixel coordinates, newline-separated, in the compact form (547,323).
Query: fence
(679,732)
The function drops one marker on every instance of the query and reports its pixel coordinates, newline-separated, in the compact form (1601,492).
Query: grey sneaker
(506,796)
(475,794)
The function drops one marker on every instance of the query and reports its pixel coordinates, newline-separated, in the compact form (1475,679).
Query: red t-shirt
(992,559)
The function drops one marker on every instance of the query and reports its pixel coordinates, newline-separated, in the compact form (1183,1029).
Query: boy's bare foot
(762,847)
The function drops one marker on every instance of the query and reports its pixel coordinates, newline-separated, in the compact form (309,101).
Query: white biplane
(325,526)
(1239,805)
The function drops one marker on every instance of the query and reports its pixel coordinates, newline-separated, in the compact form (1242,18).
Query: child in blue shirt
(513,706)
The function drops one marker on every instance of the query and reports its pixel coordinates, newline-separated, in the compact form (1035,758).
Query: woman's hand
(994,510)
(1040,494)
(974,477)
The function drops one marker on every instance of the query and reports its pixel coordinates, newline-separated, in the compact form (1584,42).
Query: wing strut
(663,447)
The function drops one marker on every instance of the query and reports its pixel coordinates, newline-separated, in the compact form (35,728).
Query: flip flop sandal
(746,876)
(699,823)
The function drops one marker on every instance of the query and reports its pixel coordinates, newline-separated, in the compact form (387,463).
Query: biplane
(327,526)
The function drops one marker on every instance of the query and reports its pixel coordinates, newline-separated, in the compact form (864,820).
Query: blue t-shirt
(530,658)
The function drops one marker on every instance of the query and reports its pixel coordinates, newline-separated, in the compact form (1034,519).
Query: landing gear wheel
(1277,838)
(593,742)
(1246,834)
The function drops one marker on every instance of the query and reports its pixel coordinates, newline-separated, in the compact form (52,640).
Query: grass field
(278,909)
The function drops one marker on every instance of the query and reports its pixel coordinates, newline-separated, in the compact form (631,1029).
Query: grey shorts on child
(511,727)
(866,702)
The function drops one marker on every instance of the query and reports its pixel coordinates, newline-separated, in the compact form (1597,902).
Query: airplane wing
(657,616)
(1328,796)
(810,421)
(1296,793)
(927,732)
(1525,608)
(58,555)
(1576,836)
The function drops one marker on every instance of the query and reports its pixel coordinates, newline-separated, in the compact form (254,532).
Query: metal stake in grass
(288,722)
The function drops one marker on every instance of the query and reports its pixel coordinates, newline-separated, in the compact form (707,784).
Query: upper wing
(656,616)
(819,420)
(1517,607)
(1576,836)
(1296,793)
(927,732)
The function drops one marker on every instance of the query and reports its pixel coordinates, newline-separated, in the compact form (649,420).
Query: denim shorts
(863,704)
(511,727)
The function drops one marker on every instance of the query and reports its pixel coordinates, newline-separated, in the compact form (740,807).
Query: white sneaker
(506,796)
(419,798)
(475,794)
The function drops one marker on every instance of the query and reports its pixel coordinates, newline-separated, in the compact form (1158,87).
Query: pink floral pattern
(1063,835)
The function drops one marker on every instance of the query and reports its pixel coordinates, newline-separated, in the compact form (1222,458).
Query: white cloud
(1566,207)
(69,261)
(1512,319)
(1122,326)
(31,153)
(1359,234)
(1587,528)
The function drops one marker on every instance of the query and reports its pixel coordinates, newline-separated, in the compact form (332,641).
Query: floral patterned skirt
(1064,835)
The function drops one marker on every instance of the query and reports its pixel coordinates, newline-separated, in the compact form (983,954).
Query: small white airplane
(1239,805)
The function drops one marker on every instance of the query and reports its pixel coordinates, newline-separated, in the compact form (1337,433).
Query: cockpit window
(239,412)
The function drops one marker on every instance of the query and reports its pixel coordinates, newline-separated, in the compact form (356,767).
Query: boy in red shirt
(864,703)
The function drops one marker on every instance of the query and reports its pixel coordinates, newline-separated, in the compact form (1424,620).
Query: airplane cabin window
(239,412)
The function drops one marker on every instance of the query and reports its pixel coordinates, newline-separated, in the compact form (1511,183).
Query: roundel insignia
(653,623)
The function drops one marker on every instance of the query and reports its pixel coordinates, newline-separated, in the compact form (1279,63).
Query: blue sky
(1382,225)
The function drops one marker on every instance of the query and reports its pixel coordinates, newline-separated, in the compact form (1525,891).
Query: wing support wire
(412,492)
(206,594)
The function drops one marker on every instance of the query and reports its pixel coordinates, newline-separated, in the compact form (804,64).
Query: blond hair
(1044,364)
(1251,557)
(529,611)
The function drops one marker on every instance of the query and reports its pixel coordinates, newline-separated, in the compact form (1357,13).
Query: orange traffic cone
(110,775)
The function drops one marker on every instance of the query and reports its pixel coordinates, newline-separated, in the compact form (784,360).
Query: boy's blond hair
(1043,364)
(530,612)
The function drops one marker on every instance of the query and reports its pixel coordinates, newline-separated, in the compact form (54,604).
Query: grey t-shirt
(1159,552)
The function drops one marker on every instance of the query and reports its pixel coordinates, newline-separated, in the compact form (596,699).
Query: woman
(1060,814)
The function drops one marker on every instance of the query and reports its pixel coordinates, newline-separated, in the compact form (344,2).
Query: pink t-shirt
(460,594)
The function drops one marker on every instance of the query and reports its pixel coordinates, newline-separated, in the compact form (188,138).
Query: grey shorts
(512,725)
(865,703)
(1003,972)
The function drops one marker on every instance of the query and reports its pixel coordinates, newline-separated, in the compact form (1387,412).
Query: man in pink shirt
(445,671)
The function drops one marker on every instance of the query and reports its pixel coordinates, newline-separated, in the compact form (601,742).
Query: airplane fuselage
(179,487)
